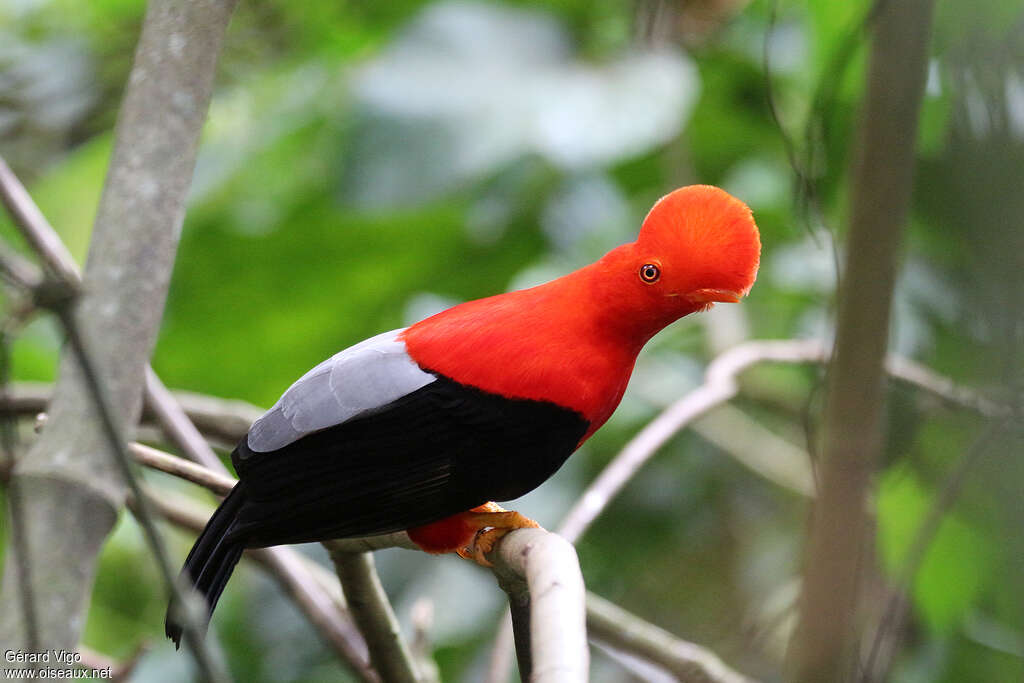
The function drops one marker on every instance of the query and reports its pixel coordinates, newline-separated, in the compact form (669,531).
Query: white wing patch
(368,375)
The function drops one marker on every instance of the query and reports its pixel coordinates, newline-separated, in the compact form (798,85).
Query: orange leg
(471,534)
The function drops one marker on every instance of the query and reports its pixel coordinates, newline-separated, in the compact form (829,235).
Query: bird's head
(698,246)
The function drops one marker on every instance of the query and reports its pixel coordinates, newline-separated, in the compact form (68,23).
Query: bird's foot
(492,522)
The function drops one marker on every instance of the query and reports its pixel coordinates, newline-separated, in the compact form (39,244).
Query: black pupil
(649,272)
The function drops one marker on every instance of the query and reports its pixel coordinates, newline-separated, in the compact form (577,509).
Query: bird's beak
(708,296)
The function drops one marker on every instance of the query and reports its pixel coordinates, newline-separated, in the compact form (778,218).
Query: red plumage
(573,341)
(420,429)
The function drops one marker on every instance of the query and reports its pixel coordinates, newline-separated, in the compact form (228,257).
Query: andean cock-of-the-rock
(423,428)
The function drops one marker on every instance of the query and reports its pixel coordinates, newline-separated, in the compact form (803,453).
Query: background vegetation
(366,164)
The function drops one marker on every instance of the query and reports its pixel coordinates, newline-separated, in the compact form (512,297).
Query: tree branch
(134,241)
(229,420)
(35,228)
(549,573)
(541,574)
(822,646)
(314,589)
(719,386)
(688,662)
(612,624)
(177,425)
(372,612)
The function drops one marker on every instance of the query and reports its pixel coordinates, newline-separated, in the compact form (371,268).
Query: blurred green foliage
(338,196)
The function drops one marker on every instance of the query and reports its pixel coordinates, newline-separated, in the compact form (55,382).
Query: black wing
(438,451)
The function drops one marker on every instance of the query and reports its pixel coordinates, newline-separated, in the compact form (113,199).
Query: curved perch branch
(541,574)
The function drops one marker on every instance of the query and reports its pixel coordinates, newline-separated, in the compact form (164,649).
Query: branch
(543,566)
(372,612)
(178,426)
(881,181)
(314,589)
(610,623)
(541,574)
(688,662)
(719,386)
(131,256)
(35,228)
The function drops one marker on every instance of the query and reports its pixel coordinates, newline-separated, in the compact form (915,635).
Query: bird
(427,428)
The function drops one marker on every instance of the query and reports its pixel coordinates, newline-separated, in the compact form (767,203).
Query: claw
(494,523)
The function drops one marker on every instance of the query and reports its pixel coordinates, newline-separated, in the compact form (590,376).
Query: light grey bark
(68,484)
(823,643)
(688,662)
(541,574)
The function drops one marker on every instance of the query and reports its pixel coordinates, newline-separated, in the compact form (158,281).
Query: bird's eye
(650,273)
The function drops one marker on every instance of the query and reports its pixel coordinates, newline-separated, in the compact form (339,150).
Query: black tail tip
(174,632)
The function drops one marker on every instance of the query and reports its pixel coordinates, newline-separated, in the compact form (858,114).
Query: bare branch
(372,611)
(17,270)
(136,234)
(228,419)
(176,425)
(221,484)
(881,182)
(719,386)
(544,567)
(315,598)
(314,589)
(329,618)
(35,228)
(689,662)
(611,624)
(758,448)
(422,617)
(541,574)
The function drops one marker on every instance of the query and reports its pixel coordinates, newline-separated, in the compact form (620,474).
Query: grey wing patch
(363,377)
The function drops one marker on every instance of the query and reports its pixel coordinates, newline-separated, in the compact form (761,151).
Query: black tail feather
(212,559)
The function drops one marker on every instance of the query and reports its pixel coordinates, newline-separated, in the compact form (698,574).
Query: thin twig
(141,209)
(18,271)
(228,418)
(689,662)
(19,537)
(895,612)
(719,386)
(176,424)
(369,605)
(327,615)
(194,632)
(330,619)
(35,228)
(221,484)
